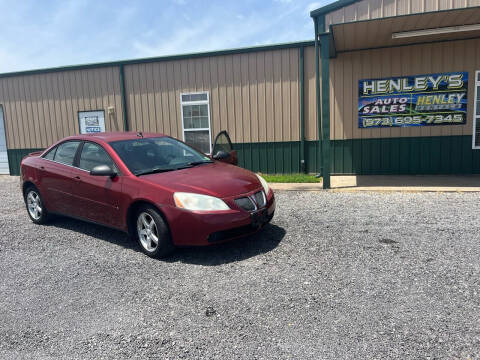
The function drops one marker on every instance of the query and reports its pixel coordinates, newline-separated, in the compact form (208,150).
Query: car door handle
(76,178)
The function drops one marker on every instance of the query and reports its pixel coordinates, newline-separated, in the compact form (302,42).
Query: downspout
(317,94)
(302,110)
(124,98)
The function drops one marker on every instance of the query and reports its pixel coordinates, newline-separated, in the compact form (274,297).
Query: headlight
(264,184)
(191,201)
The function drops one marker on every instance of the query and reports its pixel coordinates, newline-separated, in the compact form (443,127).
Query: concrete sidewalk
(382,183)
(399,183)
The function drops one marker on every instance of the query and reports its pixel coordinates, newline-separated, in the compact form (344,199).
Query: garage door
(3,146)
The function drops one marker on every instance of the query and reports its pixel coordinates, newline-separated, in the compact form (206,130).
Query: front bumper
(191,228)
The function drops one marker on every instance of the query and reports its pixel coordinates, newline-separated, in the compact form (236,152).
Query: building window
(196,120)
(476,113)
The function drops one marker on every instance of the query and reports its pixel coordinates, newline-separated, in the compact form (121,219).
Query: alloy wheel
(34,204)
(147,231)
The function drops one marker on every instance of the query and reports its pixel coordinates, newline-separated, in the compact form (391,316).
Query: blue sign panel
(420,100)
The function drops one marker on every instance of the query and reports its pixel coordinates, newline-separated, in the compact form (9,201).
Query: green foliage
(291,178)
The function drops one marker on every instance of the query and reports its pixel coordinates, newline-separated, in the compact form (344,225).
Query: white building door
(3,146)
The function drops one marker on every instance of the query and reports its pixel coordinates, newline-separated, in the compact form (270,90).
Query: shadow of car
(241,249)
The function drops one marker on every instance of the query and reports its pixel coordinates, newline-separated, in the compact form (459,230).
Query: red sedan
(154,187)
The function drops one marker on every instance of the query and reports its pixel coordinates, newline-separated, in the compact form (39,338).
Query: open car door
(223,149)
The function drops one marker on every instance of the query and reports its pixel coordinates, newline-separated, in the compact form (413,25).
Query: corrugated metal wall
(254,96)
(372,9)
(42,108)
(348,68)
(311,125)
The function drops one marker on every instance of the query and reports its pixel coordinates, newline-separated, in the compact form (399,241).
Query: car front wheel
(152,233)
(35,207)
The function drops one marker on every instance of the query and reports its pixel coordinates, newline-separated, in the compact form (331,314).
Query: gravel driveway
(336,276)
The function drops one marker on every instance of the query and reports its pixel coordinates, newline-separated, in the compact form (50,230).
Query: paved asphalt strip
(335,276)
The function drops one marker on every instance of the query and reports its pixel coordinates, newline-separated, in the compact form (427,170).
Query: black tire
(164,246)
(270,217)
(33,198)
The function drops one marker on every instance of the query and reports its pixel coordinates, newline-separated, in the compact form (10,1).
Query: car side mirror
(103,170)
(221,155)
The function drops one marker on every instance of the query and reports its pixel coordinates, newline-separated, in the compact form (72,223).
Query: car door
(96,198)
(223,146)
(55,178)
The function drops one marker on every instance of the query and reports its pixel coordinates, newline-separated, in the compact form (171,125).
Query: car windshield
(151,155)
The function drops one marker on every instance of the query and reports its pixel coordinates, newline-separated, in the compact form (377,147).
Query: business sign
(421,100)
(91,121)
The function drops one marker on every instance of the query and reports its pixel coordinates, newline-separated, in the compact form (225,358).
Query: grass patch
(291,178)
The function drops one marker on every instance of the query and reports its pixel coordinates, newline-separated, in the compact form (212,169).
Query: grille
(245,203)
(260,199)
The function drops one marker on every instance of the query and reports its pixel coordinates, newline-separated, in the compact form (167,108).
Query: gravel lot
(337,275)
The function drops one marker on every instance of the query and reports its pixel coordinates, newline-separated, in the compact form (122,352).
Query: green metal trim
(325,54)
(277,157)
(15,156)
(124,97)
(429,155)
(244,50)
(376,156)
(302,108)
(331,7)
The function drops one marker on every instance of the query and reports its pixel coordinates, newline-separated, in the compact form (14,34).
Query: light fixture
(435,31)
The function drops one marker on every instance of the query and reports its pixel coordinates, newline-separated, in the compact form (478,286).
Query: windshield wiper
(186,166)
(193,163)
(154,171)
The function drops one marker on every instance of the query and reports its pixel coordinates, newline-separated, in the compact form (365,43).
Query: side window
(51,154)
(93,155)
(66,152)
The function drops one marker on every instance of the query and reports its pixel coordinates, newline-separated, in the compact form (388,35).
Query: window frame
(199,102)
(476,84)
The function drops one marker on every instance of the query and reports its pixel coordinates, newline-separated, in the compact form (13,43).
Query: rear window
(65,152)
(51,154)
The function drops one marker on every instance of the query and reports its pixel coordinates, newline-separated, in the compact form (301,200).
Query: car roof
(116,136)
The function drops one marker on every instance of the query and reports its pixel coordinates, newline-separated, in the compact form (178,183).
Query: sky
(40,34)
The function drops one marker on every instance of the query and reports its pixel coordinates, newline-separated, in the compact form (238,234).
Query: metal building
(263,96)
(391,89)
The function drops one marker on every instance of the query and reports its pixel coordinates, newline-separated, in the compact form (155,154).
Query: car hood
(215,179)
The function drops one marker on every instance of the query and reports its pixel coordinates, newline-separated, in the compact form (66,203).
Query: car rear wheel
(152,233)
(35,207)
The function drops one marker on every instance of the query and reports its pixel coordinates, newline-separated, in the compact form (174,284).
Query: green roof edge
(162,58)
(331,7)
